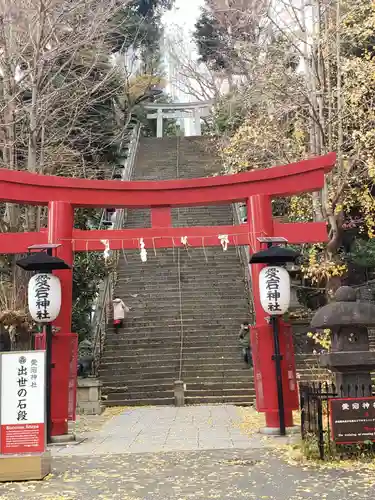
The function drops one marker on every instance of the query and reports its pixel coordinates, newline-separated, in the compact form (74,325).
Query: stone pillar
(89,396)
(197,122)
(179,393)
(159,123)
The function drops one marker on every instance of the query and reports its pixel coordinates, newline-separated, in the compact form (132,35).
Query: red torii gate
(256,188)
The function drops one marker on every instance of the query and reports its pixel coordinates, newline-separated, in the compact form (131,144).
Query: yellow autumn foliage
(276,131)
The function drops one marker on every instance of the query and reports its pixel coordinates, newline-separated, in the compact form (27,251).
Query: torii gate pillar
(60,230)
(259,217)
(64,343)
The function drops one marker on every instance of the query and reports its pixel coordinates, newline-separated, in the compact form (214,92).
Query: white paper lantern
(44,296)
(274,290)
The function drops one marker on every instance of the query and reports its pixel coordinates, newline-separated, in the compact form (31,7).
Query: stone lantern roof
(345,310)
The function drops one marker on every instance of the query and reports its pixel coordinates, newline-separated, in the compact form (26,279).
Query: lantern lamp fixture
(272,239)
(274,255)
(46,246)
(42,262)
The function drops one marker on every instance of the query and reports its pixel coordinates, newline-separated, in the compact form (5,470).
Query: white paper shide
(44,296)
(274,289)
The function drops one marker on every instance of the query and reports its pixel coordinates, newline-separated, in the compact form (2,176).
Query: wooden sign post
(23,454)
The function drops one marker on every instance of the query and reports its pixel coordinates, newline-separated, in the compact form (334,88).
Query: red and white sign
(22,402)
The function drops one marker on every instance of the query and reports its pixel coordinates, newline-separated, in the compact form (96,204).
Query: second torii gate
(256,188)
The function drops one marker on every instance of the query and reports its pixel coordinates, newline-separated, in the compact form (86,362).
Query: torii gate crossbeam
(256,188)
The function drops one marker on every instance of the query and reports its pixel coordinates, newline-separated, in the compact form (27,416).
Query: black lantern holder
(276,255)
(40,260)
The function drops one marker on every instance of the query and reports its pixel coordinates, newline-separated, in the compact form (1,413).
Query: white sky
(184,14)
(180,20)
(179,24)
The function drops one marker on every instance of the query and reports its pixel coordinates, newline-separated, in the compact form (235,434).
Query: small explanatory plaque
(22,402)
(352,419)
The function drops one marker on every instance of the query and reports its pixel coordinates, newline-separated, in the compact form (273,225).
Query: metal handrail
(106,290)
(244,255)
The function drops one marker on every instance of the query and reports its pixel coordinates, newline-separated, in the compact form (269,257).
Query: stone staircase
(185,305)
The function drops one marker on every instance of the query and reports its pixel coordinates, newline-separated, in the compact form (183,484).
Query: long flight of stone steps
(186,305)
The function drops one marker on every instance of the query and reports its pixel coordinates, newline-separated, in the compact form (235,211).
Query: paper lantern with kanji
(274,290)
(44,296)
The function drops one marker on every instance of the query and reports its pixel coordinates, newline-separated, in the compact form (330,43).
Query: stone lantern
(348,321)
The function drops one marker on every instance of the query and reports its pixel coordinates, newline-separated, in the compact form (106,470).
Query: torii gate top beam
(26,188)
(179,105)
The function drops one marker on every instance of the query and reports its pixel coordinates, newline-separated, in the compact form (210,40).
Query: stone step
(132,343)
(196,261)
(234,320)
(187,260)
(170,355)
(225,268)
(140,402)
(159,394)
(188,313)
(195,366)
(230,289)
(147,367)
(150,333)
(225,324)
(219,385)
(136,295)
(171,370)
(170,274)
(165,366)
(150,385)
(163,378)
(208,400)
(164,258)
(154,304)
(126,380)
(192,383)
(206,364)
(188,360)
(205,319)
(169,343)
(133,348)
(221,280)
(188,351)
(188,366)
(197,258)
(146,387)
(206,392)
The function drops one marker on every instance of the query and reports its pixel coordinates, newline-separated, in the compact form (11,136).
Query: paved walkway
(164,429)
(191,453)
(199,475)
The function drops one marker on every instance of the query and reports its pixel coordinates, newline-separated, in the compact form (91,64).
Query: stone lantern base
(351,369)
